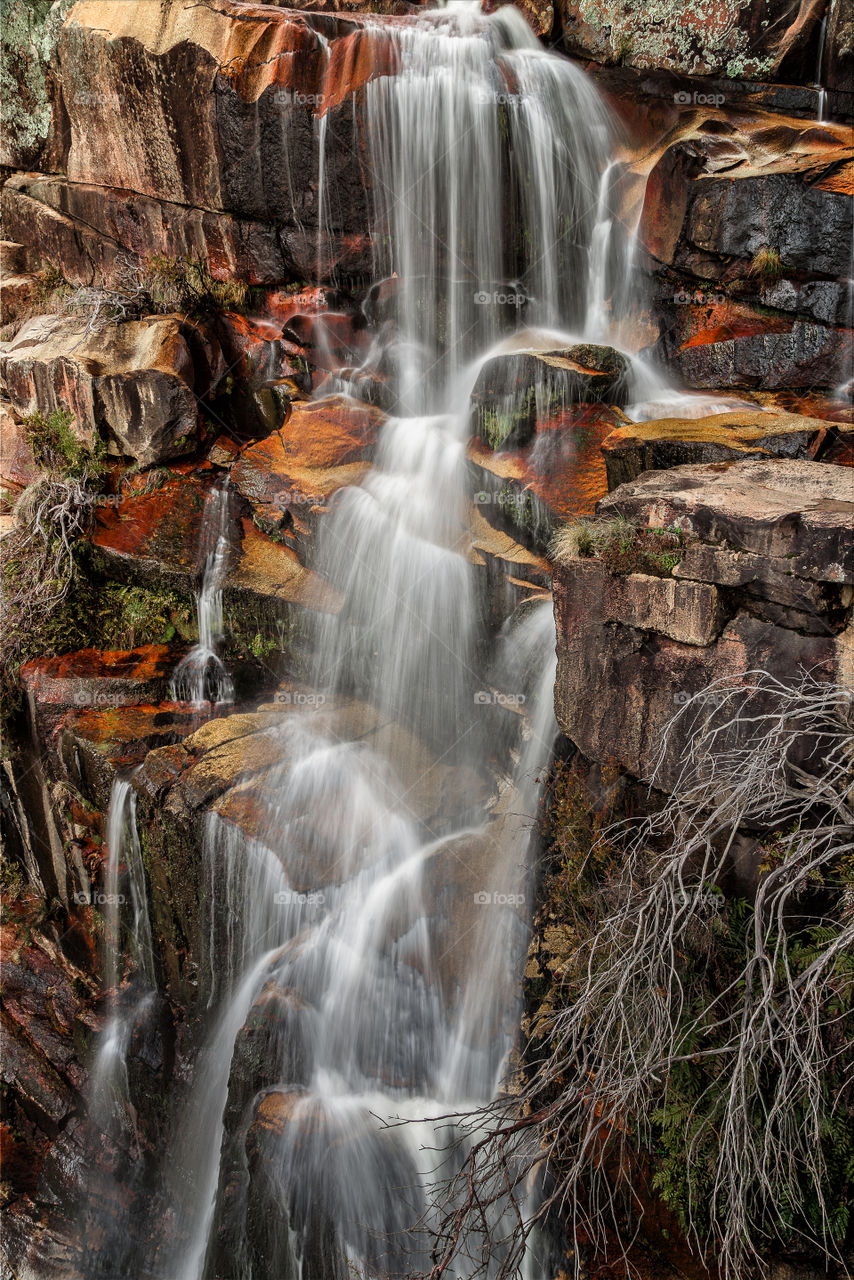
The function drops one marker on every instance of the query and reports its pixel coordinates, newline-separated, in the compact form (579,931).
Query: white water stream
(201,676)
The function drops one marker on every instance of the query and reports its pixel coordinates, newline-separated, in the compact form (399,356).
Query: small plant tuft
(623,547)
(766,265)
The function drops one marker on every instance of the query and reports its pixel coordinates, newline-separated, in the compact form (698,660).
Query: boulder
(321,446)
(137,383)
(518,388)
(672,442)
(560,474)
(718,342)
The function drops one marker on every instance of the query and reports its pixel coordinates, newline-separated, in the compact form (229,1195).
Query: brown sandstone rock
(322,446)
(137,383)
(690,612)
(775,551)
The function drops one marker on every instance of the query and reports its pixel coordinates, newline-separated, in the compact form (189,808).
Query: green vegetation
(186,284)
(52,602)
(57,449)
(623,547)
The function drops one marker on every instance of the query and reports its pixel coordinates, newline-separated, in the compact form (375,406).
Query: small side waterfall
(821,114)
(201,676)
(131,997)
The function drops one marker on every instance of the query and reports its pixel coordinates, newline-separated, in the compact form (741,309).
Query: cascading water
(376,925)
(201,676)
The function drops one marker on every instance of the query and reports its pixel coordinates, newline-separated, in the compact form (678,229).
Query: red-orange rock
(322,446)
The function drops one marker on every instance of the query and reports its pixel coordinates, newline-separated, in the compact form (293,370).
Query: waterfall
(201,676)
(364,950)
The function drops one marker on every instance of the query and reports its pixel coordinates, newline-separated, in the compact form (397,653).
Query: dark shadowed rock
(742,216)
(516,389)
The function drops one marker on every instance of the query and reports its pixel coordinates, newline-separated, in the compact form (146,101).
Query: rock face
(765,583)
(755,42)
(203,122)
(137,384)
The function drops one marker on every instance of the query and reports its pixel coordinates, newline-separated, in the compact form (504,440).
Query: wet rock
(95,744)
(270,1049)
(343,1159)
(47,1021)
(539,13)
(267,369)
(515,390)
(722,343)
(137,383)
(528,492)
(321,447)
(671,442)
(149,535)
